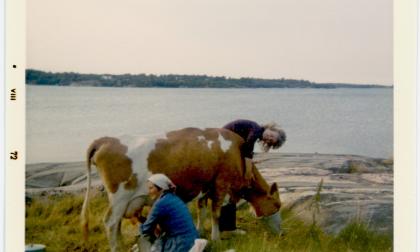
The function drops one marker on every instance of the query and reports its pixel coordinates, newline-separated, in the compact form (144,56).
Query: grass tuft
(356,236)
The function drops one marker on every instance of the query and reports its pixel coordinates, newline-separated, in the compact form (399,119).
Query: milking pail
(35,248)
(273,222)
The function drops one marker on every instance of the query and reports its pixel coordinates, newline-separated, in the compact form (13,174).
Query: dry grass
(55,222)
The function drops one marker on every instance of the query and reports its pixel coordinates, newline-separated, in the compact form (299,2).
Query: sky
(328,41)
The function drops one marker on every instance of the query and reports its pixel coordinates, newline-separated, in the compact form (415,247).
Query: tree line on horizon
(37,77)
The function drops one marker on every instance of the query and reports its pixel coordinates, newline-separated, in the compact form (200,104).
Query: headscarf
(162,181)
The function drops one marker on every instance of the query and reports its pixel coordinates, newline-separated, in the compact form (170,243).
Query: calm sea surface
(62,121)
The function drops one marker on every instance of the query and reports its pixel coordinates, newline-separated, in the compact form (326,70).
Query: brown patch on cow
(194,166)
(131,183)
(108,154)
(211,134)
(186,132)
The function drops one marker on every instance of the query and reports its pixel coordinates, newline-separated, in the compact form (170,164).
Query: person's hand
(158,230)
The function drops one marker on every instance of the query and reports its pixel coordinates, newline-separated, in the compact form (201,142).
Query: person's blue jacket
(174,219)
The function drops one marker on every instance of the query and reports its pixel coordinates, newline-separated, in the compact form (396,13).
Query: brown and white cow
(200,162)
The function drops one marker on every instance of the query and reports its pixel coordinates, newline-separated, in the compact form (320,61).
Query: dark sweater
(250,131)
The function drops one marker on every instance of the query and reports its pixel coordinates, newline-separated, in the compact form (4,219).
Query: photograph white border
(405,60)
(14,174)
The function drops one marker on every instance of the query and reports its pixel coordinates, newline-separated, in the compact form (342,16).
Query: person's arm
(247,150)
(148,227)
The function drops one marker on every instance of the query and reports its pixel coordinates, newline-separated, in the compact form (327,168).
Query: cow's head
(265,200)
(264,203)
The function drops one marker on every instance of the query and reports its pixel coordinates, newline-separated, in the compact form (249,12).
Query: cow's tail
(85,211)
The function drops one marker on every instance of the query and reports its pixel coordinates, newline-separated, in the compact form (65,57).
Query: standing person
(270,137)
(172,217)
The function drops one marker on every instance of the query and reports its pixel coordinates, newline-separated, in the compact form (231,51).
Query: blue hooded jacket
(174,219)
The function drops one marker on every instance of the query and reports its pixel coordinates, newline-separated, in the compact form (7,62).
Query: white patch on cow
(224,144)
(138,152)
(120,195)
(209,143)
(131,141)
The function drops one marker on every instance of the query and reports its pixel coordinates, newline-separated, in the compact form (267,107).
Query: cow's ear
(273,188)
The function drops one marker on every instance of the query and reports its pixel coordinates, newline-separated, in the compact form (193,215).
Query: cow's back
(194,158)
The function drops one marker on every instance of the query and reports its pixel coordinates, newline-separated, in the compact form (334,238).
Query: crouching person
(169,225)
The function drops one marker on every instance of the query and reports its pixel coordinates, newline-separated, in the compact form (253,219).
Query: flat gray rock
(353,188)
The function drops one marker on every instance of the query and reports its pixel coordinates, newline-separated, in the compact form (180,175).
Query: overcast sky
(347,41)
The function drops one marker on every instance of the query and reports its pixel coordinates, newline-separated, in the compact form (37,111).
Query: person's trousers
(227,220)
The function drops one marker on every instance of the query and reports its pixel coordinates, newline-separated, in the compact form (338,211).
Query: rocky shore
(352,188)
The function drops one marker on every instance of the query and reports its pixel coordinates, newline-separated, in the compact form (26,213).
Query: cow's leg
(215,215)
(112,228)
(112,223)
(113,218)
(201,207)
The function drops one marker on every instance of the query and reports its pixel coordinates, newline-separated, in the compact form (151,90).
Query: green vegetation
(55,222)
(36,77)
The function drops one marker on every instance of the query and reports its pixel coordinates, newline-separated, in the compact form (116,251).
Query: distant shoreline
(41,78)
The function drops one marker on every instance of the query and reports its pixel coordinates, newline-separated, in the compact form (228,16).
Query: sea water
(62,121)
